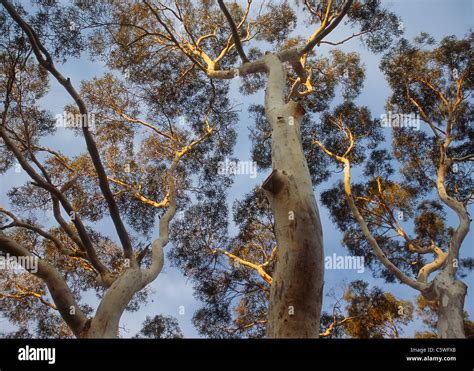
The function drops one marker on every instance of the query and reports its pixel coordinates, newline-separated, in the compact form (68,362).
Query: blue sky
(171,290)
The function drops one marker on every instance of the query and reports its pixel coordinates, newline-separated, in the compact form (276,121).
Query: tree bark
(60,292)
(450,294)
(296,292)
(105,323)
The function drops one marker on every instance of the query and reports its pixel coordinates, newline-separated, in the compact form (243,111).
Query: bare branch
(58,288)
(326,28)
(46,61)
(235,32)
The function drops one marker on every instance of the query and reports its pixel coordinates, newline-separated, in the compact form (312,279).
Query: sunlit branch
(325,28)
(257,267)
(433,266)
(365,229)
(139,196)
(22,293)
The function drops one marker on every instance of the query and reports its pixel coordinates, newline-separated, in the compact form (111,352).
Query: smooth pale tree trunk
(105,323)
(296,292)
(450,294)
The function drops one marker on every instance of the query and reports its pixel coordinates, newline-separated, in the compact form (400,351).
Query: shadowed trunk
(296,292)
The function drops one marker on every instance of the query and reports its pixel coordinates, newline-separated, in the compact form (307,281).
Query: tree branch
(58,288)
(325,29)
(45,60)
(235,32)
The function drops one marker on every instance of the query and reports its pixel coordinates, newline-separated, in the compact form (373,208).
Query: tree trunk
(105,323)
(450,294)
(296,292)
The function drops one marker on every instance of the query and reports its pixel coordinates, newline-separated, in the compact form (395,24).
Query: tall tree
(172,52)
(435,174)
(214,40)
(115,179)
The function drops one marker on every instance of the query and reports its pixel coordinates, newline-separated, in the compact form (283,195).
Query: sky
(172,292)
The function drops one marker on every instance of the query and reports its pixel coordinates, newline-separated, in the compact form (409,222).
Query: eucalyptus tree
(235,300)
(180,57)
(139,165)
(223,42)
(398,219)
